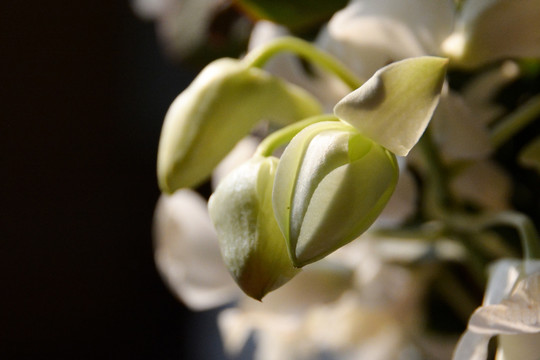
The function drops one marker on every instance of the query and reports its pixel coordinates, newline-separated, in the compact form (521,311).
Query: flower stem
(438,192)
(530,241)
(515,121)
(259,56)
(285,135)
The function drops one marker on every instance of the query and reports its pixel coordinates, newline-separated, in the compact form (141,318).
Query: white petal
(503,274)
(185,24)
(151,9)
(394,107)
(472,346)
(187,253)
(366,35)
(489,30)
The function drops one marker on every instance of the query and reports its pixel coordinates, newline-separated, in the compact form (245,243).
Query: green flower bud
(251,243)
(331,184)
(218,109)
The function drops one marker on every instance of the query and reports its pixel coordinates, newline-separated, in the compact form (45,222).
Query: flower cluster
(354,175)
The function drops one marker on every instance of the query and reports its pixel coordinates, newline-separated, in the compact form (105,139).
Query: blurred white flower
(186,246)
(489,30)
(367,35)
(350,305)
(187,253)
(511,310)
(182,25)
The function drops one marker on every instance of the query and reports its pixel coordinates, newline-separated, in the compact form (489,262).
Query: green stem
(285,135)
(259,56)
(515,121)
(530,241)
(438,192)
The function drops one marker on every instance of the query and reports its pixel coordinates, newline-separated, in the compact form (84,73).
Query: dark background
(84,87)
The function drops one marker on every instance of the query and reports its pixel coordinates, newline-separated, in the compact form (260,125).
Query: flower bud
(218,109)
(331,184)
(251,243)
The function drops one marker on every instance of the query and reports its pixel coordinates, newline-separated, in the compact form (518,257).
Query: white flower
(367,35)
(182,25)
(187,253)
(489,30)
(511,310)
(350,305)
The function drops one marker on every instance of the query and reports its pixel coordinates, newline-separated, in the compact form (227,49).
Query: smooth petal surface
(511,309)
(331,184)
(489,30)
(367,35)
(224,102)
(187,252)
(394,106)
(251,244)
(472,346)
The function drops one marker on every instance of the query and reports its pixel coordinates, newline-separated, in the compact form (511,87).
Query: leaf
(296,15)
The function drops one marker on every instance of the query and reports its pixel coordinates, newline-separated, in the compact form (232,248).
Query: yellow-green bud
(331,184)
(218,109)
(251,243)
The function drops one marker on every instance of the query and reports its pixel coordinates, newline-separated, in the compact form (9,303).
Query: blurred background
(84,89)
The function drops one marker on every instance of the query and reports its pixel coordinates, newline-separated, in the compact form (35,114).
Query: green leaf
(295,14)
(394,107)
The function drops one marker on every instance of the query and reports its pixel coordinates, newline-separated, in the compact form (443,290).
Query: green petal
(287,175)
(331,184)
(394,107)
(251,243)
(218,109)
